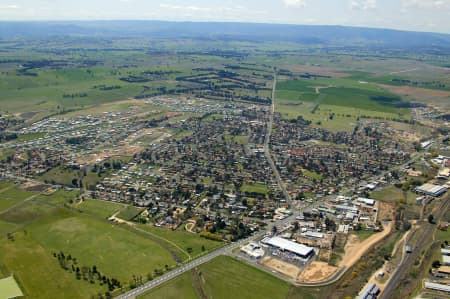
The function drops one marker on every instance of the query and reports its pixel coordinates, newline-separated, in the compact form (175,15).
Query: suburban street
(267,145)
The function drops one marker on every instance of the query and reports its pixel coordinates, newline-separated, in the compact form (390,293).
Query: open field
(118,251)
(255,188)
(339,92)
(183,239)
(224,277)
(103,209)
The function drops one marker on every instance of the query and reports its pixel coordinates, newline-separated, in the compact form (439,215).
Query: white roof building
(437,286)
(367,201)
(287,245)
(446,259)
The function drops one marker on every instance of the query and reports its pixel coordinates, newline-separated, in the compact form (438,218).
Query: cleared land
(280,266)
(316,271)
(355,249)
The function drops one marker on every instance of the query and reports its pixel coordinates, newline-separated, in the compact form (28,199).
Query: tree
(296,226)
(436,264)
(274,230)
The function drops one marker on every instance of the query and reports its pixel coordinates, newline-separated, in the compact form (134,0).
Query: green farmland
(49,224)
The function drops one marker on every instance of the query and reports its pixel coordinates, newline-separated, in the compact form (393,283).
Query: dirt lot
(316,271)
(385,211)
(417,91)
(439,96)
(33,186)
(281,267)
(355,249)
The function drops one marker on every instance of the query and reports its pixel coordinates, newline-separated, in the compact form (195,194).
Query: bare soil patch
(29,115)
(316,271)
(282,267)
(33,186)
(354,249)
(425,95)
(385,211)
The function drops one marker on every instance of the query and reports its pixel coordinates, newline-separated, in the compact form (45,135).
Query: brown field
(316,271)
(319,70)
(354,249)
(385,211)
(279,266)
(416,93)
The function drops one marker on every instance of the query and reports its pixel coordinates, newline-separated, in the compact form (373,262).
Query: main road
(280,183)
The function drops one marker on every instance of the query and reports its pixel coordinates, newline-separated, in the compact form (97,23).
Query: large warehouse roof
(430,189)
(437,286)
(293,247)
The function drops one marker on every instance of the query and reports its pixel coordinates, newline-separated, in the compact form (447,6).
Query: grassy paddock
(223,277)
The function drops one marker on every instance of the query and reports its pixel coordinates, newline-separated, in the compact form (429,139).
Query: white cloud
(363,4)
(12,6)
(427,4)
(181,7)
(295,3)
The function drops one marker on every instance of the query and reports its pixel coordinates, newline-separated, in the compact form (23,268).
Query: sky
(416,15)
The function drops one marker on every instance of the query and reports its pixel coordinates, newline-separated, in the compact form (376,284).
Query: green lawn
(255,188)
(179,287)
(5,184)
(8,203)
(113,249)
(183,239)
(223,277)
(29,137)
(15,193)
(39,273)
(59,197)
(129,212)
(64,176)
(103,209)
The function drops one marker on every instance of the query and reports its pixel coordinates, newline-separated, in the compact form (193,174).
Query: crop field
(339,92)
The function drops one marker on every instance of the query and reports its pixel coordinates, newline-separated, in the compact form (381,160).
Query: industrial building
(446,260)
(253,250)
(432,190)
(300,250)
(437,286)
(370,291)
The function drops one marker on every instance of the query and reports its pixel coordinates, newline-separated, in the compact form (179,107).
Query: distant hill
(338,35)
